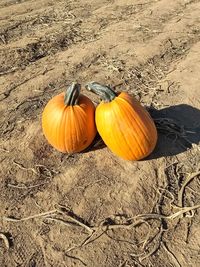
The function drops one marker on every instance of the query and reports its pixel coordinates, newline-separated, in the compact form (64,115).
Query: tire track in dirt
(55,34)
(45,46)
(19,8)
(32,23)
(47,15)
(8,3)
(22,56)
(49,35)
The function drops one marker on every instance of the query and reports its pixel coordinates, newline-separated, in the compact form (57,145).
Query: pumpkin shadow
(178,129)
(96,144)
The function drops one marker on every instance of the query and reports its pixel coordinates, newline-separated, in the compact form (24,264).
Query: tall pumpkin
(124,125)
(68,121)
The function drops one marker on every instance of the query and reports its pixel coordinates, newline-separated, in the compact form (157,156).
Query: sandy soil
(150,49)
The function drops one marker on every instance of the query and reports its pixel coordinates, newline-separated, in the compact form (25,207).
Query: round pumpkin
(124,125)
(68,121)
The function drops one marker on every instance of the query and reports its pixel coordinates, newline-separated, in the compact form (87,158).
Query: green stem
(72,94)
(105,92)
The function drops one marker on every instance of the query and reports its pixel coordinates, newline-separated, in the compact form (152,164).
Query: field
(94,209)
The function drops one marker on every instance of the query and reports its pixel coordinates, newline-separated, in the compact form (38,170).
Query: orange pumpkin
(68,121)
(124,125)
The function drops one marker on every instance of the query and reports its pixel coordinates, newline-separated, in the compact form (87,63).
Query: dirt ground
(94,209)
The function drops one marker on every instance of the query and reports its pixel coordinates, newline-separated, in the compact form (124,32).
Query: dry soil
(150,49)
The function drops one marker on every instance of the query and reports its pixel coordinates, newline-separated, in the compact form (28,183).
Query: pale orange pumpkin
(124,125)
(68,121)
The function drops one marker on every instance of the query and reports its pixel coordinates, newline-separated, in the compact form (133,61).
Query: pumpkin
(124,125)
(68,120)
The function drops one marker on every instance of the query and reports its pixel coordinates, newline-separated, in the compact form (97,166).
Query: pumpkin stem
(105,92)
(72,94)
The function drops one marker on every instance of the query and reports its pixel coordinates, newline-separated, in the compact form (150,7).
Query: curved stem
(105,92)
(72,94)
